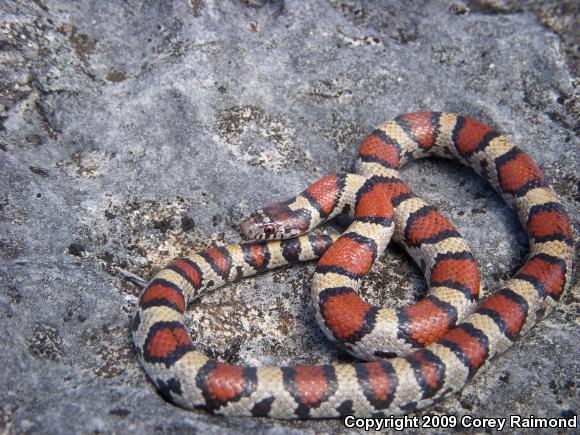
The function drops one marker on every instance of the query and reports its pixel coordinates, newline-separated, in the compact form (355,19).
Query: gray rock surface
(135,131)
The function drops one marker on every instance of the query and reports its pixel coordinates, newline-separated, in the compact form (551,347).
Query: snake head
(275,222)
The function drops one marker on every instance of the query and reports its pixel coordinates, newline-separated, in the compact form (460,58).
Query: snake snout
(250,227)
(246,228)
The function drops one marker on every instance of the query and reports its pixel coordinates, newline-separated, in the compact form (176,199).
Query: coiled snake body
(442,341)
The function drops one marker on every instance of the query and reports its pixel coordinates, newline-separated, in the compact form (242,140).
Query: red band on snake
(443,340)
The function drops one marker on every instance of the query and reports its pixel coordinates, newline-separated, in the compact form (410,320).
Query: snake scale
(441,341)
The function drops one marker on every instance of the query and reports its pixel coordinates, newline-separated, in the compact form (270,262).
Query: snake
(409,358)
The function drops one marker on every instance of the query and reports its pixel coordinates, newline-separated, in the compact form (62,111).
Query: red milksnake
(442,339)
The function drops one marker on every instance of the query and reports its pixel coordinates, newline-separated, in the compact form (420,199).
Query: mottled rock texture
(135,131)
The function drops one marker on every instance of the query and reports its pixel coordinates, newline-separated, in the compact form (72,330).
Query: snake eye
(269,229)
